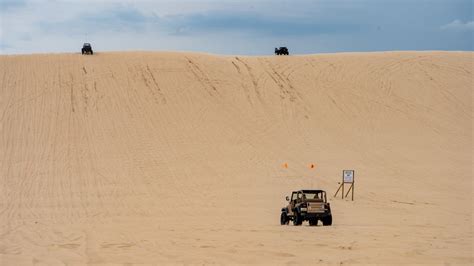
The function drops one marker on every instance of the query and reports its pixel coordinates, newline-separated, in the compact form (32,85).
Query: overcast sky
(235,27)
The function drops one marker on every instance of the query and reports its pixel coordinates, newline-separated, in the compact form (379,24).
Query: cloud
(11,4)
(115,19)
(234,27)
(458,25)
(128,18)
(225,21)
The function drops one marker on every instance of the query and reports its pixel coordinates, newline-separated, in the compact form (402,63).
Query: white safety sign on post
(347,178)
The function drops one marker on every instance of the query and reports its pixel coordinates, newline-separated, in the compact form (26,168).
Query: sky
(231,27)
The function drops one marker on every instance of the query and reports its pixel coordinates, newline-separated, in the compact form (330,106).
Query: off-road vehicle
(281,51)
(307,205)
(87,48)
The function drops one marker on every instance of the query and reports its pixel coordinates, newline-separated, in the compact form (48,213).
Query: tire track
(155,90)
(202,78)
(253,79)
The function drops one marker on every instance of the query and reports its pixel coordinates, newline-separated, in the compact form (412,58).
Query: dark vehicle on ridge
(87,49)
(281,51)
(307,205)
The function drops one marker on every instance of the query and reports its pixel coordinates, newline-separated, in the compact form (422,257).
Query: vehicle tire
(327,220)
(297,220)
(313,222)
(82,51)
(284,219)
(92,52)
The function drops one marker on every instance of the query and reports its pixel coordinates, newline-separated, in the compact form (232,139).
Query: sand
(177,158)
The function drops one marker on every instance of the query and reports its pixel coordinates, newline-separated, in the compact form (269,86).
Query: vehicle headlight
(304,209)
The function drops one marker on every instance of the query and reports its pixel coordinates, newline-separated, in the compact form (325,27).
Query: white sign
(348,176)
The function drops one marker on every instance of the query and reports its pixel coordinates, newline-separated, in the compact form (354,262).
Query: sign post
(347,178)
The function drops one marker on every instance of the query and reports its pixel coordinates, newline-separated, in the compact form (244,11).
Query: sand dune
(144,157)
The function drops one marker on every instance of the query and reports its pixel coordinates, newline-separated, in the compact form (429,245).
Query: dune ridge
(166,157)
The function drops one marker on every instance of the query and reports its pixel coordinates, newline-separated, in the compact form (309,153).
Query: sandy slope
(177,157)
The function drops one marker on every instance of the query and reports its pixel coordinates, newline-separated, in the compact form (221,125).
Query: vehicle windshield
(87,44)
(313,195)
